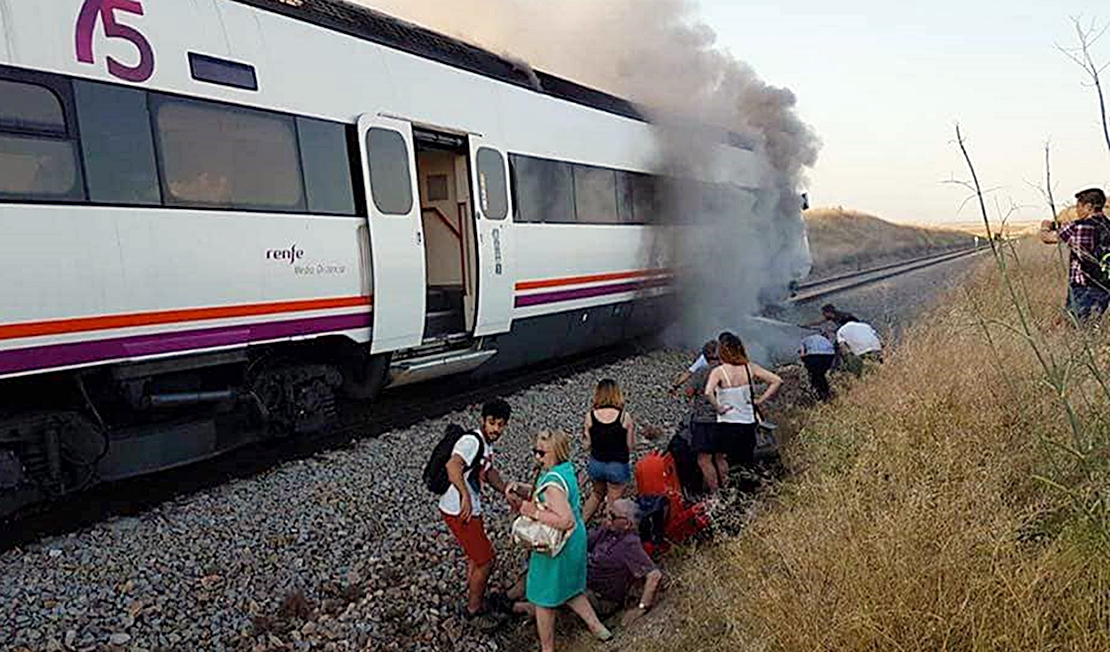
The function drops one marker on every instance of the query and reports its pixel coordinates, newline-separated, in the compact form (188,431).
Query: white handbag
(538,536)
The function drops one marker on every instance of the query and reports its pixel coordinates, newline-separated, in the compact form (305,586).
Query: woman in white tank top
(730,389)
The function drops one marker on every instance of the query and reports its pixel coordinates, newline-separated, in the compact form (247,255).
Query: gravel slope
(336,552)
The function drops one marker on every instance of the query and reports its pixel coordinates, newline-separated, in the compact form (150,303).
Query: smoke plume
(746,246)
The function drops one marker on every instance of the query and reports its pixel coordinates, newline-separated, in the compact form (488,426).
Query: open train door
(492,206)
(396,232)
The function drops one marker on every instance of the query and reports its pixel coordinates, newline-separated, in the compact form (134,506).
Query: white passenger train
(221,216)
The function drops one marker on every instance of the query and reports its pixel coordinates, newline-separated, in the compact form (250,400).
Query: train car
(222,217)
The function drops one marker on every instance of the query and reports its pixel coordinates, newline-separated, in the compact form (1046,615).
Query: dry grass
(842,240)
(913,520)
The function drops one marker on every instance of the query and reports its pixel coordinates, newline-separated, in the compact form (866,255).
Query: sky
(884,83)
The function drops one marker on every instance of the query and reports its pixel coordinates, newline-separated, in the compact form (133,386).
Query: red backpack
(656,475)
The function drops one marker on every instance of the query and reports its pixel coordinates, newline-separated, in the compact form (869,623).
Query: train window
(390,179)
(645,204)
(37,168)
(492,185)
(38,155)
(544,190)
(30,106)
(626,203)
(327,168)
(117,144)
(225,73)
(595,195)
(219,156)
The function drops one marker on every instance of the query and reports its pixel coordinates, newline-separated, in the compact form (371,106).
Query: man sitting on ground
(616,562)
(859,343)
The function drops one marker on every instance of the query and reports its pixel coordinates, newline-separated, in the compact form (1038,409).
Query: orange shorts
(472,537)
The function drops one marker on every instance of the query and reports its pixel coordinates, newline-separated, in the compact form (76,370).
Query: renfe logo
(106,10)
(292,254)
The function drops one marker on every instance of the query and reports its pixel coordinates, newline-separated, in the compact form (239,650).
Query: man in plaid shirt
(1088,285)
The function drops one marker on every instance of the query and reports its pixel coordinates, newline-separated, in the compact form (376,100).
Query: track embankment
(944,501)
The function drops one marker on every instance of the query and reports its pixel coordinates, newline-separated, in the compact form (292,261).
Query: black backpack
(686,460)
(1096,264)
(435,471)
(653,518)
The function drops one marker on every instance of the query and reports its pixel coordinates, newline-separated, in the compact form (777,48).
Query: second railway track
(814,290)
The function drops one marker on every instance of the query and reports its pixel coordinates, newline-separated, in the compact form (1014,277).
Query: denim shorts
(612,472)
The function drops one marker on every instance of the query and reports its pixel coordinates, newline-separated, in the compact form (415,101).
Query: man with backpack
(1088,239)
(456,470)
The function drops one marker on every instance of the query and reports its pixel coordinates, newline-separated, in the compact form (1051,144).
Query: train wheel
(296,398)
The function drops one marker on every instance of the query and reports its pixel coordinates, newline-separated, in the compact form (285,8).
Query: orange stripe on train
(591,278)
(107,322)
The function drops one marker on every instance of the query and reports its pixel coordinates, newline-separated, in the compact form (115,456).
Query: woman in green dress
(561,579)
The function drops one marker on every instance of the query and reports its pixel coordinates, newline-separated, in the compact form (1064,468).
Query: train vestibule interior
(450,247)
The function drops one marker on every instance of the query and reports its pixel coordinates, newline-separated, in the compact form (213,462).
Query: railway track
(396,409)
(814,290)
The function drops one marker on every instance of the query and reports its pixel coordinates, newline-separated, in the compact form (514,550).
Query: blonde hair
(558,442)
(608,394)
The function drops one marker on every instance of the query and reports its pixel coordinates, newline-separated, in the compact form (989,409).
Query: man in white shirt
(461,504)
(858,342)
(707,359)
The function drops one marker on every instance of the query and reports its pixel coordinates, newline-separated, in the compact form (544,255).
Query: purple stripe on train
(587,293)
(75,353)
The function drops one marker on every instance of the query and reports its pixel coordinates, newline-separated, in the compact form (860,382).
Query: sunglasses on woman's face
(539,452)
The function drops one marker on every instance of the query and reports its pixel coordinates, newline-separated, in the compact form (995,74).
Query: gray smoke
(745,246)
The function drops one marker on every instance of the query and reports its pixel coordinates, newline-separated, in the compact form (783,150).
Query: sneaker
(604,634)
(483,621)
(499,603)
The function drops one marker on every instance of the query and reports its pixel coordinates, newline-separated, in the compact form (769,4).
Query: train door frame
(449,222)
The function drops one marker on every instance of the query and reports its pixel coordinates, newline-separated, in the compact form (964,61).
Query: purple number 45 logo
(105,10)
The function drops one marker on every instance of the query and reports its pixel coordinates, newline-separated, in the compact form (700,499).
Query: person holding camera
(1088,240)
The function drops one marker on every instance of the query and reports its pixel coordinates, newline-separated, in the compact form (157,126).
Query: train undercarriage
(62,433)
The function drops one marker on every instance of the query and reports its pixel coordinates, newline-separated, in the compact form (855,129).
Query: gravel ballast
(341,551)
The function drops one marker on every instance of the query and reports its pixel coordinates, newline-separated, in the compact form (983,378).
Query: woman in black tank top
(609,437)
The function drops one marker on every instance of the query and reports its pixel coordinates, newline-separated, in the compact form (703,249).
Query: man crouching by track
(458,466)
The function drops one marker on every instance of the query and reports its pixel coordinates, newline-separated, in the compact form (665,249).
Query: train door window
(228,157)
(544,190)
(38,144)
(390,179)
(492,184)
(595,195)
(327,168)
(117,144)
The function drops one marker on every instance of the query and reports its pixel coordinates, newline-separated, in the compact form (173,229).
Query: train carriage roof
(365,23)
